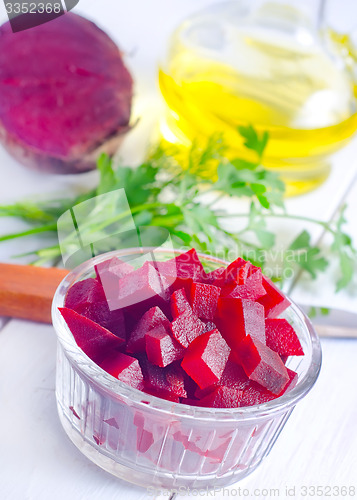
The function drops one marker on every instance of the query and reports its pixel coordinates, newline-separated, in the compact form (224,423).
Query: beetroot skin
(65,94)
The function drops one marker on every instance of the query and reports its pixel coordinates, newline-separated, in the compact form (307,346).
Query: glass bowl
(152,442)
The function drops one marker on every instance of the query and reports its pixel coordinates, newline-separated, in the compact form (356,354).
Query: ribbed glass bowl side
(153,442)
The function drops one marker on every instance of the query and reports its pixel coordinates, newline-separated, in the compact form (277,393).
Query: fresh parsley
(172,190)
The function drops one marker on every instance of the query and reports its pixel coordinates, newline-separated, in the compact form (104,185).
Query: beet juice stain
(24,15)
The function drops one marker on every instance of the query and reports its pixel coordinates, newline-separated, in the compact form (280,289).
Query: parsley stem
(29,232)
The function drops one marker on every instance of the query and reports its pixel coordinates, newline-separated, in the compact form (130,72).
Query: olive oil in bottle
(270,69)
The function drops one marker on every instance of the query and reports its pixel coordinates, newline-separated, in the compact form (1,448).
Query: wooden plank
(27,291)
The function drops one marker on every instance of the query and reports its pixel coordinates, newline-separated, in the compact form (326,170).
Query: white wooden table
(318,446)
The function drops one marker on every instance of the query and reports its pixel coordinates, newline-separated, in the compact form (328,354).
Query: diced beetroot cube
(223,397)
(262,365)
(203,299)
(151,319)
(84,293)
(214,275)
(234,376)
(239,271)
(186,327)
(177,283)
(125,368)
(293,378)
(281,338)
(274,301)
(167,383)
(113,321)
(168,270)
(141,289)
(255,394)
(205,358)
(230,274)
(184,268)
(243,273)
(87,297)
(237,318)
(175,377)
(109,273)
(94,340)
(161,348)
(190,263)
(114,265)
(251,290)
(179,302)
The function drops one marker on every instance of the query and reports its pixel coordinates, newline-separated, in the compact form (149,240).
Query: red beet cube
(94,340)
(151,319)
(109,273)
(141,289)
(186,327)
(179,302)
(125,368)
(230,274)
(87,297)
(84,293)
(167,383)
(223,397)
(205,358)
(237,318)
(234,376)
(243,273)
(293,378)
(252,289)
(274,301)
(262,365)
(175,377)
(114,265)
(204,299)
(182,270)
(214,275)
(113,321)
(281,337)
(189,263)
(161,348)
(255,394)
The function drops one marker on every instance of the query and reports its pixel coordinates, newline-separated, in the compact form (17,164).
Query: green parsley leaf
(252,139)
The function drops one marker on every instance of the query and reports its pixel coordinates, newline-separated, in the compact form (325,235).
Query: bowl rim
(116,388)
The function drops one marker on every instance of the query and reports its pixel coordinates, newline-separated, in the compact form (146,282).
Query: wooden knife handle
(27,291)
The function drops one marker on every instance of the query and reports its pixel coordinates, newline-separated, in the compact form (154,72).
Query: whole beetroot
(65,94)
